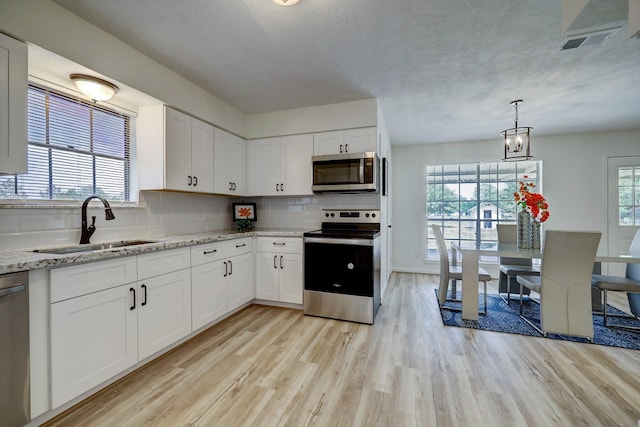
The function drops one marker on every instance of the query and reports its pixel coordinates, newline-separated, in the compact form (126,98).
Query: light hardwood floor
(269,366)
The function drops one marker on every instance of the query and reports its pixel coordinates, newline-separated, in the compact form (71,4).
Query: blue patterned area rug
(505,318)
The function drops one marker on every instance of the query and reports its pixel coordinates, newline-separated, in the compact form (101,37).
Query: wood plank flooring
(269,366)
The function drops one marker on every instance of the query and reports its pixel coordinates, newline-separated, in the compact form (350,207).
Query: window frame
(89,151)
(531,169)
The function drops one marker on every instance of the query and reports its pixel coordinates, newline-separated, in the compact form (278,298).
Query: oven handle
(362,171)
(338,241)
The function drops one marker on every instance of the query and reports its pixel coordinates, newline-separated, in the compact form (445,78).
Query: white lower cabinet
(208,293)
(279,269)
(164,311)
(93,338)
(222,279)
(240,286)
(100,329)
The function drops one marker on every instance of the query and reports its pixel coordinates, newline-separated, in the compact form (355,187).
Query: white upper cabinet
(280,166)
(345,141)
(13,105)
(229,163)
(175,151)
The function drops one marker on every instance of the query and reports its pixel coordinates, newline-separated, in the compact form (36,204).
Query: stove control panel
(351,216)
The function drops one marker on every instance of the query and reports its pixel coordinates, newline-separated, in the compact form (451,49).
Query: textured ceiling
(443,70)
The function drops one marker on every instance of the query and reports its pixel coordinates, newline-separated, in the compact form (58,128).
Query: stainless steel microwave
(346,173)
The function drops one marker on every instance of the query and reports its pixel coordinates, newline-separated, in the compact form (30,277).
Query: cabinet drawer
(239,246)
(281,245)
(76,280)
(208,252)
(157,263)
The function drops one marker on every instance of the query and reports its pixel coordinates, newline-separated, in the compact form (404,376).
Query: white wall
(574,184)
(54,28)
(320,118)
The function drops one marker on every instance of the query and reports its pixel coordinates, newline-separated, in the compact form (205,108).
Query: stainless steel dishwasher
(14,349)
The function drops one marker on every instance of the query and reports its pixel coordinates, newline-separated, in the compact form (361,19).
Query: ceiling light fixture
(95,88)
(286,2)
(517,140)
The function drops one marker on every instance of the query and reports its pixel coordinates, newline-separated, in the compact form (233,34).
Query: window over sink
(76,148)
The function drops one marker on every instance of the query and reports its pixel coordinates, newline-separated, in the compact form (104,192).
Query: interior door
(622,224)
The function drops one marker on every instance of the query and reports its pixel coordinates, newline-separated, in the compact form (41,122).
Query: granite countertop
(25,259)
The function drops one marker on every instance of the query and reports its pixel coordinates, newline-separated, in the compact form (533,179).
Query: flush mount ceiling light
(286,2)
(517,140)
(93,87)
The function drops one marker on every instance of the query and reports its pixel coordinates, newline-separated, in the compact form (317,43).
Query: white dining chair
(511,267)
(452,272)
(564,284)
(629,284)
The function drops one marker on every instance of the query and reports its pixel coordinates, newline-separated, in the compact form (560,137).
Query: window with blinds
(76,148)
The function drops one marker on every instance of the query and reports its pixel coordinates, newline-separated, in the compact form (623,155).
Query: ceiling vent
(588,39)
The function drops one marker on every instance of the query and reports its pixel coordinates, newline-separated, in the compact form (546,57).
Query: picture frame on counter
(244,211)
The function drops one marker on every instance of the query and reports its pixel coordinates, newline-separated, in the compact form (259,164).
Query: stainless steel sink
(93,247)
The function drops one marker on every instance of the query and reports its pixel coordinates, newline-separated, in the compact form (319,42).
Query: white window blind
(76,148)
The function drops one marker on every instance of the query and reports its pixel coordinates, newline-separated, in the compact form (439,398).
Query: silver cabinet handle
(12,290)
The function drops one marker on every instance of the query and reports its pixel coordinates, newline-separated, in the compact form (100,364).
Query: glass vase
(524,229)
(535,235)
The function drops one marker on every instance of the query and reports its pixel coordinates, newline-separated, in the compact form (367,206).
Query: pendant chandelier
(517,140)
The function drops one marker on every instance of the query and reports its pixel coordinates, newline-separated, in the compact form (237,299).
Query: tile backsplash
(165,213)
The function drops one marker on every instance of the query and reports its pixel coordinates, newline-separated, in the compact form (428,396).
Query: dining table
(470,256)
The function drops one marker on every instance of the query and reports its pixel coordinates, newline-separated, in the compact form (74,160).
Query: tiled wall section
(165,213)
(303,213)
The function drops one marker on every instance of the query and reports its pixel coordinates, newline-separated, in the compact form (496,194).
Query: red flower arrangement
(534,203)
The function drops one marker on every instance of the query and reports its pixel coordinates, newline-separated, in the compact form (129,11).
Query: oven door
(343,266)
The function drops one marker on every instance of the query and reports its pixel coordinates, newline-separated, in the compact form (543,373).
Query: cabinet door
(229,163)
(164,311)
(93,338)
(239,166)
(360,140)
(267,276)
(13,105)
(297,173)
(290,278)
(209,294)
(264,167)
(201,156)
(177,151)
(240,284)
(328,143)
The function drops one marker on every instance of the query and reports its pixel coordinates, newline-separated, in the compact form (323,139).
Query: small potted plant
(243,215)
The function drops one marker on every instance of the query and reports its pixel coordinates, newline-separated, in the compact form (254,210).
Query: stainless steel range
(342,266)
